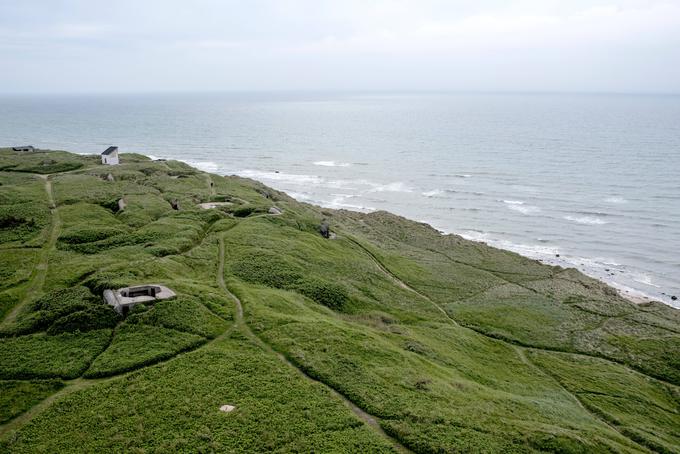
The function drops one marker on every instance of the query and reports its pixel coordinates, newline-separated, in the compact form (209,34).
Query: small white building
(110,156)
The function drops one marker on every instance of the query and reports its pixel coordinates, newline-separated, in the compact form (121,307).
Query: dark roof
(110,150)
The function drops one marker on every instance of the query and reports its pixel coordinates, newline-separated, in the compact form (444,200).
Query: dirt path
(369,419)
(37,279)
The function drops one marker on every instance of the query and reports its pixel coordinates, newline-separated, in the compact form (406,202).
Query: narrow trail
(367,418)
(37,279)
(522,355)
(519,349)
(393,277)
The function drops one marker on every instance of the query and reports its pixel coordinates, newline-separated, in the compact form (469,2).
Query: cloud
(581,45)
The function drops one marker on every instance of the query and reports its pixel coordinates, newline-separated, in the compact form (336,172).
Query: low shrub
(52,306)
(331,295)
(130,239)
(99,316)
(18,396)
(88,234)
(266,268)
(243,211)
(102,280)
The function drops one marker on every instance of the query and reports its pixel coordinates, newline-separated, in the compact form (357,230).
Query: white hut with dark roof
(110,156)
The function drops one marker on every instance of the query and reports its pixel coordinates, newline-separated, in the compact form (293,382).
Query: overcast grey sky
(206,45)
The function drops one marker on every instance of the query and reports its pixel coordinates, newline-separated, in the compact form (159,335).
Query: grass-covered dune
(387,337)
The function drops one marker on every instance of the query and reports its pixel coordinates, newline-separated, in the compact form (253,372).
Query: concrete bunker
(124,299)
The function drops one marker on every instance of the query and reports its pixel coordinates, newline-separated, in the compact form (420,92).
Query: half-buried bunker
(126,298)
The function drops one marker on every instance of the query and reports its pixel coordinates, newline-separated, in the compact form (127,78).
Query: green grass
(18,396)
(135,346)
(183,314)
(40,162)
(67,310)
(41,356)
(643,409)
(175,407)
(449,345)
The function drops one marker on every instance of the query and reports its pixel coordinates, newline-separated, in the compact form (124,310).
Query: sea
(590,181)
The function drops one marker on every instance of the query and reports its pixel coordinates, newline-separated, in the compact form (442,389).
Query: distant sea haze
(584,181)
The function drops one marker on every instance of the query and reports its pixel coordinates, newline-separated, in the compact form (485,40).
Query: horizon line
(338,91)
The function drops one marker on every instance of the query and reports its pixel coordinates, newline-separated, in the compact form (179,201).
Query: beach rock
(557,255)
(674,297)
(324,229)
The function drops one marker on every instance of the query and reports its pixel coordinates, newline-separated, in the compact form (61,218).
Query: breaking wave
(521,207)
(433,193)
(331,164)
(587,220)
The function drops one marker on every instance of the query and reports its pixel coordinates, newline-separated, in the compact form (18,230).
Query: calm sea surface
(593,178)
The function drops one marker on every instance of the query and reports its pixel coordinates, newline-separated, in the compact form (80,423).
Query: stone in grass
(227,408)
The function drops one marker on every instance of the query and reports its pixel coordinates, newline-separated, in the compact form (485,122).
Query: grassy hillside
(388,337)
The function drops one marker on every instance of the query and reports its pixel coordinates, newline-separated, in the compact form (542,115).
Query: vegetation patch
(331,295)
(89,234)
(22,222)
(50,307)
(266,268)
(41,356)
(138,345)
(182,314)
(277,410)
(18,396)
(100,316)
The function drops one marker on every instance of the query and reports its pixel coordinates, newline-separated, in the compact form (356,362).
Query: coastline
(599,272)
(631,294)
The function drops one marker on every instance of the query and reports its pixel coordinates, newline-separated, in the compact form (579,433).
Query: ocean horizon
(578,180)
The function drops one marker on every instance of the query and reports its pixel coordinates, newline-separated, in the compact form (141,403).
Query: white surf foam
(331,164)
(206,166)
(293,178)
(587,220)
(433,193)
(617,200)
(521,207)
(645,279)
(397,186)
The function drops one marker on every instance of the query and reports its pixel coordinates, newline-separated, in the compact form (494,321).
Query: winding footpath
(370,420)
(37,279)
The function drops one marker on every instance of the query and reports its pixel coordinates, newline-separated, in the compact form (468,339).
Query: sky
(82,46)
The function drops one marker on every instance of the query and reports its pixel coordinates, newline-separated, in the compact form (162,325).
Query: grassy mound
(41,356)
(135,346)
(68,310)
(18,396)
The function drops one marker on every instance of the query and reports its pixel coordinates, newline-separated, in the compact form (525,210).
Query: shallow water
(593,178)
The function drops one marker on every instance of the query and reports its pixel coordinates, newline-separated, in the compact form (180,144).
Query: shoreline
(635,295)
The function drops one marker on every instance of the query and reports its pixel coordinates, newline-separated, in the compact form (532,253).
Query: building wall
(111,159)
